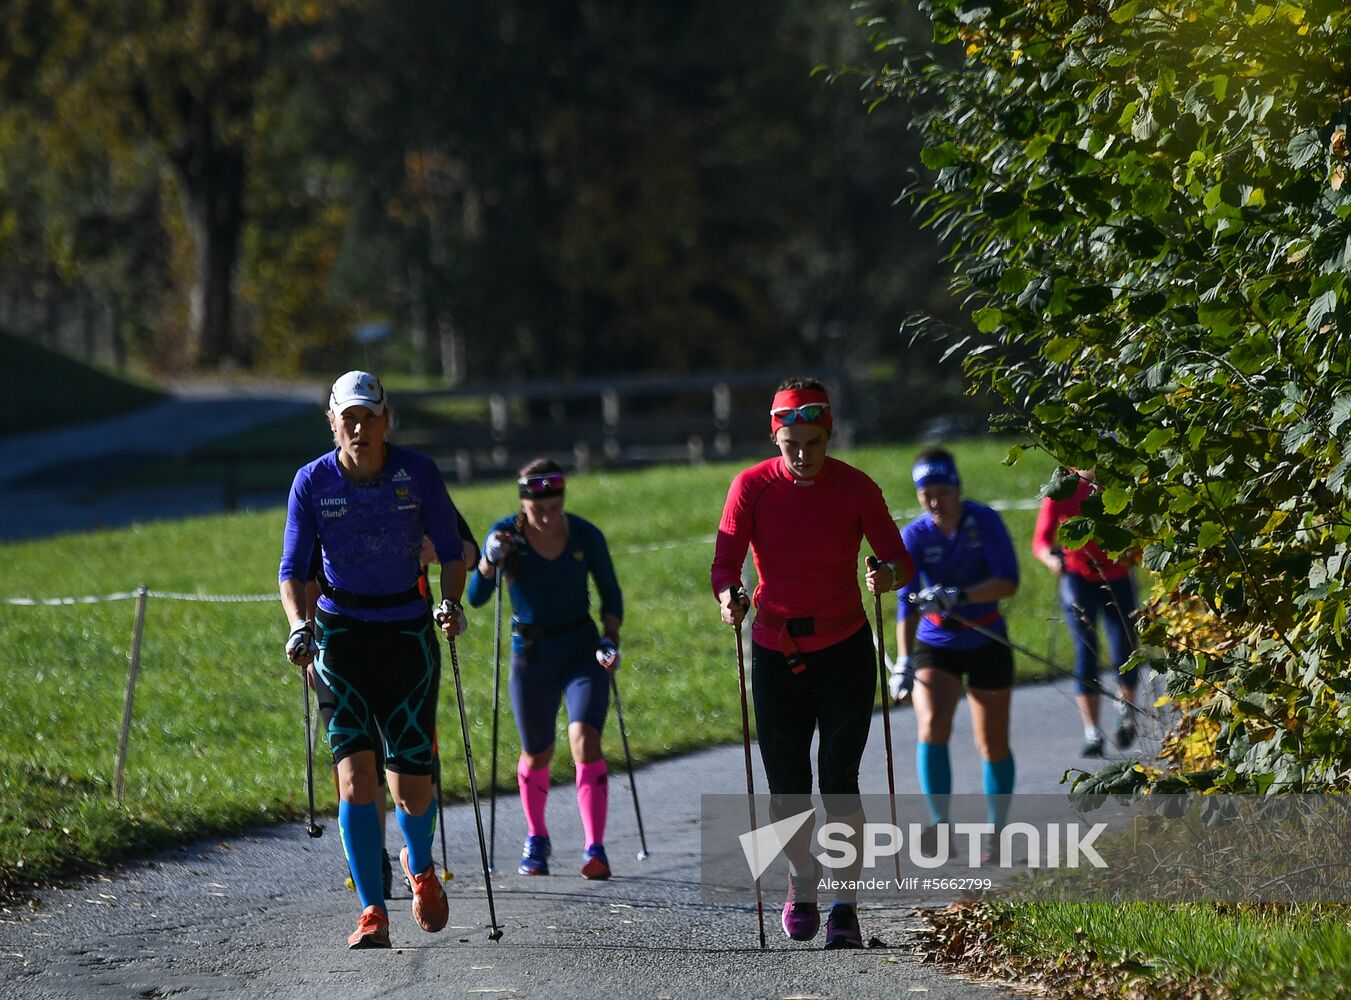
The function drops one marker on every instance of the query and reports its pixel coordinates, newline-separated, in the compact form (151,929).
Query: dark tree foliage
(515,189)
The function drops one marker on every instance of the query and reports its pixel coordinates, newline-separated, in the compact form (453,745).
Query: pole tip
(643,855)
(495,934)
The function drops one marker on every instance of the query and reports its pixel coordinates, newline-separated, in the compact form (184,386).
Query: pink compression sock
(534,785)
(593,796)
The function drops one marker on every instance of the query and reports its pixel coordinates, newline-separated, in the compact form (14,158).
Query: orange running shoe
(430,909)
(372,929)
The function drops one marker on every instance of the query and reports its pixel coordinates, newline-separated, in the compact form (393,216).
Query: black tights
(834,693)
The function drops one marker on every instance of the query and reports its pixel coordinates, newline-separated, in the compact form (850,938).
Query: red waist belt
(953,625)
(790,629)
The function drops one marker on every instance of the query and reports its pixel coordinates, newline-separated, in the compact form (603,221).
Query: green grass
(1302,951)
(52,390)
(217,742)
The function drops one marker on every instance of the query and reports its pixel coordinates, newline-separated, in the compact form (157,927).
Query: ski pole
(886,711)
(628,760)
(495,934)
(314,829)
(497,688)
(739,597)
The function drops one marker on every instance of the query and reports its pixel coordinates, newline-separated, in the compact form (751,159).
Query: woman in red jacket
(1092,586)
(803,516)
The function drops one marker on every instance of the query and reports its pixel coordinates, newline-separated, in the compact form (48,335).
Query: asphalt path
(51,481)
(268,913)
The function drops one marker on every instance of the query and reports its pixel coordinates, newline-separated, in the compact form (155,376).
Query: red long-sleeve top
(1088,562)
(804,535)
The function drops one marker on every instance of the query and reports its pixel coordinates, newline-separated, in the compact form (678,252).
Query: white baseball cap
(357,388)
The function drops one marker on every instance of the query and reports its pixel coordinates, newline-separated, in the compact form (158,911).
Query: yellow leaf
(1276,519)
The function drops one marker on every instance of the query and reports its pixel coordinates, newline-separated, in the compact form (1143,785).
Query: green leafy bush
(1147,218)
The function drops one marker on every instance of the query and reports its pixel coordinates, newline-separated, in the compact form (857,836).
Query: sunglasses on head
(808,413)
(550,482)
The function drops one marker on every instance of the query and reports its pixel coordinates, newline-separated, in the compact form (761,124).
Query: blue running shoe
(595,865)
(535,857)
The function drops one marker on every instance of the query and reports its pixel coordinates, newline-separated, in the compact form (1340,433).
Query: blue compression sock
(935,778)
(360,829)
(418,832)
(997,778)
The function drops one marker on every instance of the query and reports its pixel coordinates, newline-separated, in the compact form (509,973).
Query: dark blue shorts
(547,671)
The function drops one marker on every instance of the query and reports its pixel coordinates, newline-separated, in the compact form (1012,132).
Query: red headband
(799,397)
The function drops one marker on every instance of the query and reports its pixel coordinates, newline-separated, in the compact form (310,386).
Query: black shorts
(378,682)
(985,668)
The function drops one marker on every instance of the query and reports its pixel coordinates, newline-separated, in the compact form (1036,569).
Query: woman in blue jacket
(557,654)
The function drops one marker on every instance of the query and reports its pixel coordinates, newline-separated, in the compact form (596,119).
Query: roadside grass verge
(52,390)
(217,739)
(1152,950)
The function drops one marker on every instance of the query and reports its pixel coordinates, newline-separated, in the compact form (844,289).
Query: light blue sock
(418,832)
(935,778)
(997,778)
(360,829)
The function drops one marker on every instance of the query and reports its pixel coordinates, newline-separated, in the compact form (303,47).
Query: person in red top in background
(803,516)
(1091,586)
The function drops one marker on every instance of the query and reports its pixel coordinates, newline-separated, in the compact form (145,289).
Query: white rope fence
(141,595)
(128,595)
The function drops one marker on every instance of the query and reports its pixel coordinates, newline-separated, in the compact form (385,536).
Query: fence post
(722,418)
(609,415)
(141,594)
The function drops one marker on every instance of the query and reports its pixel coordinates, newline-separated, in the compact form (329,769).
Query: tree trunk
(452,348)
(417,314)
(213,181)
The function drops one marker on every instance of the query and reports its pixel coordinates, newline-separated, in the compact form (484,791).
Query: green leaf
(1143,125)
(1127,11)
(1152,198)
(1063,484)
(1323,307)
(988,319)
(1157,438)
(1037,293)
(1114,500)
(1210,534)
(1304,148)
(1340,412)
(938,157)
(1219,317)
(1250,355)
(1060,349)
(1075,532)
